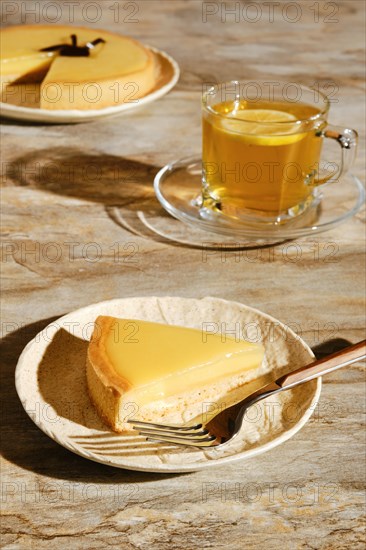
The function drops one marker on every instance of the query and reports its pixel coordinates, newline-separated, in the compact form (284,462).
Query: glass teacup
(262,144)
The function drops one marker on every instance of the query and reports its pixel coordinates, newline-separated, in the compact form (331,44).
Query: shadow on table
(22,442)
(124,187)
(330,346)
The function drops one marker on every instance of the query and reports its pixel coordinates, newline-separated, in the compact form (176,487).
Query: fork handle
(330,363)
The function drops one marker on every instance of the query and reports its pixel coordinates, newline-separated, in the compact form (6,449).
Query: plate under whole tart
(168,77)
(50,381)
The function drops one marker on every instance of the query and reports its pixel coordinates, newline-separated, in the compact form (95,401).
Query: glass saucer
(178,185)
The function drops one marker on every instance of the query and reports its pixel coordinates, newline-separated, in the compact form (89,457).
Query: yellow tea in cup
(261,157)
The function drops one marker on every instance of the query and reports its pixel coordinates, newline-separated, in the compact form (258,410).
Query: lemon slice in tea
(267,131)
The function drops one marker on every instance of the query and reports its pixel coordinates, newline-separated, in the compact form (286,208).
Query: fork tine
(172,433)
(170,437)
(202,442)
(167,427)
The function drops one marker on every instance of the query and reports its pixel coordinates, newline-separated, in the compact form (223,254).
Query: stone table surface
(63,249)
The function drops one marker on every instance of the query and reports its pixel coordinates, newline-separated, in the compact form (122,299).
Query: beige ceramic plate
(169,75)
(50,381)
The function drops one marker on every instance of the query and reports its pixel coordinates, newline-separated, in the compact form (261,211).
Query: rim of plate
(164,467)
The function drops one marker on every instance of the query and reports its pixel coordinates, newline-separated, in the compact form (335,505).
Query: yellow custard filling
(160,361)
(20,50)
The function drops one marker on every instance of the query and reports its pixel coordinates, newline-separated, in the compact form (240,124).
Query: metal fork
(226,425)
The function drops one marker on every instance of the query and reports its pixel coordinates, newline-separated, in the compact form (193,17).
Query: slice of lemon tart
(163,373)
(76,67)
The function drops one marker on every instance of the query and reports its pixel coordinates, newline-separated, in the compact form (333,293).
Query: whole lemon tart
(76,67)
(163,373)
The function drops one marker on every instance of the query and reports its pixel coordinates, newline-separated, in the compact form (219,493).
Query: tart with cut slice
(164,373)
(77,67)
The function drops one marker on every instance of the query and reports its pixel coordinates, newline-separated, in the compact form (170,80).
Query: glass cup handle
(347,139)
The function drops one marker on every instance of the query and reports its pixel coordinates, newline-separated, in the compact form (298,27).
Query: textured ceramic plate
(50,381)
(169,75)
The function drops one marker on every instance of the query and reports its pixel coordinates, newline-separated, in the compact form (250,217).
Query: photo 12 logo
(51,492)
(291,493)
(29,12)
(327,252)
(270,12)
(70,93)
(269,90)
(53,252)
